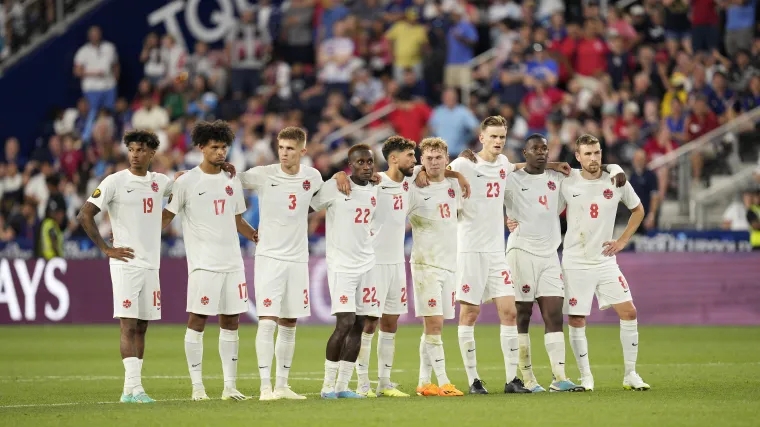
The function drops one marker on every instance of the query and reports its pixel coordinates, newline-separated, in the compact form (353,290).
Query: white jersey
(208,205)
(481,225)
(284,208)
(134,206)
(348,226)
(389,222)
(591,209)
(535,202)
(433,214)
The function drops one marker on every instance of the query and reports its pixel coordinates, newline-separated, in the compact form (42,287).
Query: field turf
(72,375)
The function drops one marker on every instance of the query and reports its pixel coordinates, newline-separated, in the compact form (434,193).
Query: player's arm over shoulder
(254,178)
(325,196)
(177,196)
(315,178)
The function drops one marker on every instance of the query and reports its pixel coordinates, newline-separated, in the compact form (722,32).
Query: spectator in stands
(411,117)
(72,156)
(248,47)
(735,215)
(332,12)
(97,65)
(539,103)
(12,153)
(658,145)
(618,60)
(741,71)
(590,56)
(676,121)
(409,39)
(704,26)
(700,122)
(24,222)
(176,98)
(412,83)
(540,65)
(676,90)
(336,60)
(50,237)
(677,26)
(453,122)
(460,43)
(740,25)
(297,34)
(753,218)
(150,116)
(154,67)
(36,188)
(623,29)
(751,99)
(367,90)
(721,98)
(644,183)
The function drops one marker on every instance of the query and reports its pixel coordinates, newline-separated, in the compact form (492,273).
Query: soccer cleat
(428,390)
(391,392)
(287,394)
(233,394)
(449,390)
(266,393)
(564,385)
(142,398)
(127,398)
(587,381)
(200,394)
(366,391)
(534,387)
(348,394)
(328,394)
(515,386)
(477,387)
(633,381)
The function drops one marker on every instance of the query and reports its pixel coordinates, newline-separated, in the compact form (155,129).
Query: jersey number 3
(292,205)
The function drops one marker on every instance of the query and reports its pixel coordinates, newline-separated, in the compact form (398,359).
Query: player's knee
(468,314)
(576,321)
(629,313)
(288,323)
(344,322)
(141,327)
(389,323)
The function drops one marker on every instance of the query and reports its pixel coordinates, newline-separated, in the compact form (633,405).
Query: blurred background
(671,88)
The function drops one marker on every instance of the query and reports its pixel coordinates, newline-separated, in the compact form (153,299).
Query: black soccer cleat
(515,386)
(477,387)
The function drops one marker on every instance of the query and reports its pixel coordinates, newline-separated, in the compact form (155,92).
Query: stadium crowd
(645,78)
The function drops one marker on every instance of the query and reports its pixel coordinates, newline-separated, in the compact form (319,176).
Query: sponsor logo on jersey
(465,288)
(431,303)
(552,185)
(228,190)
(267,302)
(96,193)
(306,185)
(573,302)
(608,194)
(502,174)
(452,194)
(127,303)
(526,289)
(405,186)
(204,300)
(374,201)
(343,299)
(154,187)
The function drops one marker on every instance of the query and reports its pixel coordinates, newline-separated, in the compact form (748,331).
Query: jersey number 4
(493,189)
(359,213)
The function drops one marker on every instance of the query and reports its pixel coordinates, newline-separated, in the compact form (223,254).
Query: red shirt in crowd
(704,12)
(591,57)
(621,127)
(566,47)
(655,150)
(540,105)
(700,125)
(410,123)
(70,161)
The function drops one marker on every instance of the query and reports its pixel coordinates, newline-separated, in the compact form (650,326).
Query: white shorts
(353,292)
(281,288)
(535,276)
(211,293)
(482,277)
(434,291)
(136,293)
(608,283)
(390,280)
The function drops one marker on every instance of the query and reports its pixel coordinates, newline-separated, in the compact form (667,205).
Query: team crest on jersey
(452,194)
(96,193)
(343,299)
(228,190)
(405,186)
(608,194)
(573,302)
(267,302)
(465,288)
(204,300)
(170,198)
(306,185)
(154,187)
(127,303)
(526,289)
(432,303)
(373,201)
(502,174)
(552,185)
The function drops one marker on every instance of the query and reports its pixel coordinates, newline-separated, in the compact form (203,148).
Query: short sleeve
(316,181)
(176,198)
(413,197)
(253,178)
(79,58)
(508,166)
(239,198)
(104,194)
(630,199)
(458,164)
(168,186)
(325,196)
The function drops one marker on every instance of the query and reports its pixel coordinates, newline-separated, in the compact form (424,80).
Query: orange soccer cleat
(428,390)
(449,390)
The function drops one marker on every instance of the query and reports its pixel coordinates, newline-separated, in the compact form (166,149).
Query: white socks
(132,376)
(434,349)
(555,347)
(511,349)
(229,342)
(386,347)
(265,351)
(579,344)
(629,338)
(331,372)
(362,362)
(526,366)
(345,372)
(467,348)
(426,368)
(283,350)
(194,356)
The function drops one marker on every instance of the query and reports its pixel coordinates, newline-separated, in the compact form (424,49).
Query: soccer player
(533,199)
(433,214)
(212,204)
(350,258)
(281,272)
(588,259)
(133,199)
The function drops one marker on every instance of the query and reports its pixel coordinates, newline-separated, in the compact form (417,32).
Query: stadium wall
(668,288)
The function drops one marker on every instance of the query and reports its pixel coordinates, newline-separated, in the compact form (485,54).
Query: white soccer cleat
(587,381)
(233,394)
(267,393)
(200,394)
(633,381)
(287,393)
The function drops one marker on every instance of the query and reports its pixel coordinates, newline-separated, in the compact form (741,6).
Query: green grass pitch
(72,375)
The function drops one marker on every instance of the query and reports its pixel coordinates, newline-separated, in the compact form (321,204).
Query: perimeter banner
(668,288)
